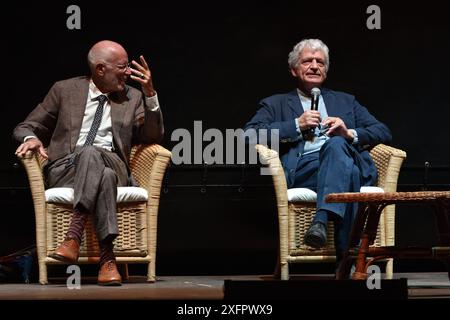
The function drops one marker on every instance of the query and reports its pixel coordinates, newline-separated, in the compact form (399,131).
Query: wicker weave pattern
(388,161)
(137,221)
(141,161)
(394,197)
(295,219)
(132,221)
(300,218)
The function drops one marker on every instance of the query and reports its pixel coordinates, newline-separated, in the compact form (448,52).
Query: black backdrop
(213,62)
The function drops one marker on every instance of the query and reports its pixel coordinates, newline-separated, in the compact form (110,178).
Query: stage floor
(420,286)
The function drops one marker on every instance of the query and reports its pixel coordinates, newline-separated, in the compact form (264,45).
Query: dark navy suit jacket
(280,110)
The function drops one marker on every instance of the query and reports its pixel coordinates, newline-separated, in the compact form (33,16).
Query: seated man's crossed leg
(95,174)
(335,168)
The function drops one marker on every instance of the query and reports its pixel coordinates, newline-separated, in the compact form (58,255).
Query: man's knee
(356,172)
(109,174)
(336,142)
(335,145)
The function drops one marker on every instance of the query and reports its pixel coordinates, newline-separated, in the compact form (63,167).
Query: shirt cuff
(355,136)
(28,138)
(297,126)
(152,102)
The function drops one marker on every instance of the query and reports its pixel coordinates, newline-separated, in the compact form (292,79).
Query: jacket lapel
(119,109)
(117,113)
(78,106)
(330,104)
(294,103)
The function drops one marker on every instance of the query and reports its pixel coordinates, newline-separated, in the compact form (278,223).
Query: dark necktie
(97,119)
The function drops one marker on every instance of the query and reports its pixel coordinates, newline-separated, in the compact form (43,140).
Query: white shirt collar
(94,92)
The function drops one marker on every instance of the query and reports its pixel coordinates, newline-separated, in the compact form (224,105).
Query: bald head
(108,62)
(104,51)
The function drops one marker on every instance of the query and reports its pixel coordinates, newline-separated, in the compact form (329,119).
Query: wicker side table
(365,228)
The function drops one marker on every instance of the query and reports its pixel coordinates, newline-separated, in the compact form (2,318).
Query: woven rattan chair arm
(384,151)
(32,164)
(388,161)
(270,159)
(148,164)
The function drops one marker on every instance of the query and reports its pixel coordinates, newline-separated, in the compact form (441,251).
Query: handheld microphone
(315,94)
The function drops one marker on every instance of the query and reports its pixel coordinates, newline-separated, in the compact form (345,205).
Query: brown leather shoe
(108,274)
(67,252)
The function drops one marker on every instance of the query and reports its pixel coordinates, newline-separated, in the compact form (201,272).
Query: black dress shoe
(316,236)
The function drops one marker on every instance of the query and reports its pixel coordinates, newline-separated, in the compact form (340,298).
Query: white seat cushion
(307,195)
(301,195)
(124,194)
(371,189)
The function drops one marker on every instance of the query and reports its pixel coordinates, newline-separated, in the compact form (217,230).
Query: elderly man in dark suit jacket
(325,149)
(89,125)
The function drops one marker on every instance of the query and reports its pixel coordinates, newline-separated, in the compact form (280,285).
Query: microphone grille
(315,92)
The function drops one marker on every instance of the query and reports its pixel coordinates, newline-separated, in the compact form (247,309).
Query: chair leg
(343,271)
(42,272)
(390,269)
(151,272)
(285,271)
(126,275)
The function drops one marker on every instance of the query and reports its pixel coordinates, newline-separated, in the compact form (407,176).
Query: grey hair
(96,56)
(93,58)
(314,45)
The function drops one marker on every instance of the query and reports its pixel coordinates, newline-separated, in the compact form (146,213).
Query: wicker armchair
(295,218)
(137,220)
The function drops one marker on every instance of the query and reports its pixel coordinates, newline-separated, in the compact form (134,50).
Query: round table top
(389,197)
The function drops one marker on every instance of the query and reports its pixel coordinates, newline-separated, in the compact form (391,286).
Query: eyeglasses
(308,63)
(121,67)
(124,67)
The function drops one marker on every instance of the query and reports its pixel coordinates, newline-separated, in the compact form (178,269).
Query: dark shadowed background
(213,62)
